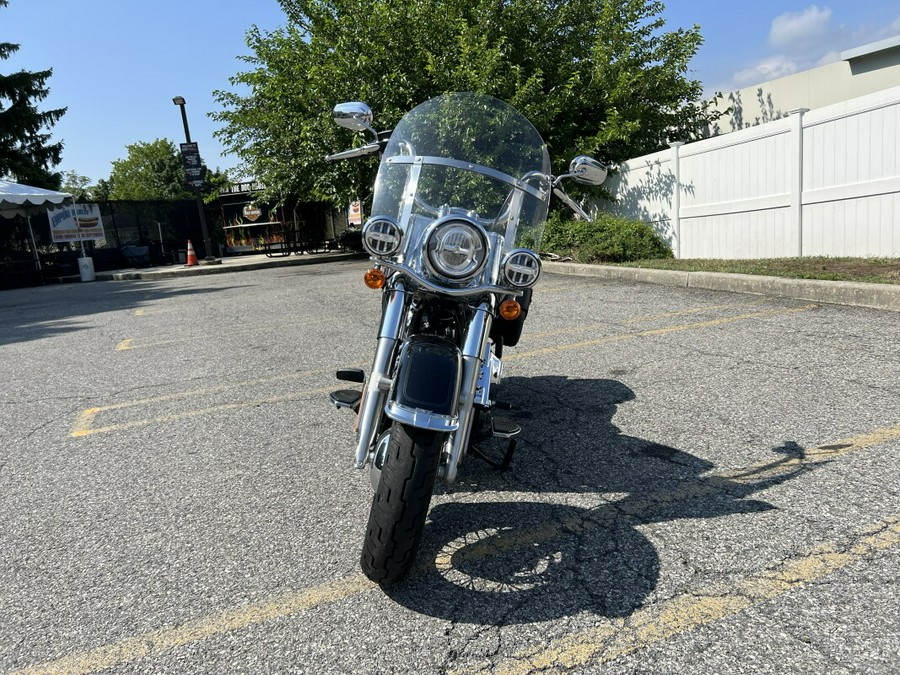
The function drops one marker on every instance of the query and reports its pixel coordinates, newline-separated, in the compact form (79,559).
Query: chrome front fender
(425,392)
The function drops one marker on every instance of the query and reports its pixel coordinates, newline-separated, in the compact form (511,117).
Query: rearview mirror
(355,115)
(587,171)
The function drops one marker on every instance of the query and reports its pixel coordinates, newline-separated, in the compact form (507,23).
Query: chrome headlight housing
(382,236)
(456,248)
(522,267)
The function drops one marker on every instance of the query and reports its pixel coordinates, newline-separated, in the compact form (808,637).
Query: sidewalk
(229,264)
(854,294)
(875,296)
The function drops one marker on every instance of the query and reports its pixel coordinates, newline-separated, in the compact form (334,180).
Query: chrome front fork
(473,357)
(476,351)
(378,385)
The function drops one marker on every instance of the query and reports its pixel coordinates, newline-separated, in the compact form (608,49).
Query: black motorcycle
(458,212)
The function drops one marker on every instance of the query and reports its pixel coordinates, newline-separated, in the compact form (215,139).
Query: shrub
(607,238)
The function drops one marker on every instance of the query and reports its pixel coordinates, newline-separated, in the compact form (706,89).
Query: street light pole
(179,101)
(210,259)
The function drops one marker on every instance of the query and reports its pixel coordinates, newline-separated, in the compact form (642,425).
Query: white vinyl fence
(823,182)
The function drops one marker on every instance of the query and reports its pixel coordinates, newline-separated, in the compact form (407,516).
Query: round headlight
(457,248)
(522,268)
(381,236)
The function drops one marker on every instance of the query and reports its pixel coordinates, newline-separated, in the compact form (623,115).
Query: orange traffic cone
(191,255)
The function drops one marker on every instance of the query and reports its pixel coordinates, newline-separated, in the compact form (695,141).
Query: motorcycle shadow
(539,553)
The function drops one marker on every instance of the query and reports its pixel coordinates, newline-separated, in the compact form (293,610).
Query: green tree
(214,182)
(102,190)
(77,185)
(26,153)
(599,77)
(150,171)
(154,171)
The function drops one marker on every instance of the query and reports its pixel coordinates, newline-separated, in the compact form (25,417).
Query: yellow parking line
(819,455)
(648,317)
(683,613)
(720,322)
(644,508)
(240,329)
(657,331)
(83,425)
(83,422)
(164,639)
(129,343)
(696,310)
(222,387)
(763,471)
(610,640)
(645,626)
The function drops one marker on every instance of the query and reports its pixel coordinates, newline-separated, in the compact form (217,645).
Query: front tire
(400,504)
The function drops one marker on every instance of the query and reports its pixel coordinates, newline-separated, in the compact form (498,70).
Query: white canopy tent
(23,200)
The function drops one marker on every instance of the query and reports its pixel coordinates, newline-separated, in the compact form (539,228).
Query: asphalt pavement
(707,482)
(875,296)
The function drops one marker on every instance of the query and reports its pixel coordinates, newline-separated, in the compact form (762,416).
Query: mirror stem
(559,179)
(568,201)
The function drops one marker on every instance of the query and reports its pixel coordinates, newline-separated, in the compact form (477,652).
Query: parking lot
(705,483)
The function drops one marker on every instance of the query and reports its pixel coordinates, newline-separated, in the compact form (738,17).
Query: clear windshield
(469,154)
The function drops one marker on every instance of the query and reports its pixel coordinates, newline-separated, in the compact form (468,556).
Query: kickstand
(507,456)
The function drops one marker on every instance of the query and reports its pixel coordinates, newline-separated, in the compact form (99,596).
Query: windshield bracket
(468,166)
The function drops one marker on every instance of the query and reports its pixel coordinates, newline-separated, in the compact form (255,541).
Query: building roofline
(872,48)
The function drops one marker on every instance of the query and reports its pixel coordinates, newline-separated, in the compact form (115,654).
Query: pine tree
(26,153)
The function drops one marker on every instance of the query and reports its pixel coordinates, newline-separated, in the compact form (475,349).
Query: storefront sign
(193,170)
(252,213)
(81,223)
(243,187)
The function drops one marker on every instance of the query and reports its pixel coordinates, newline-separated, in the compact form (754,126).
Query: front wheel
(400,504)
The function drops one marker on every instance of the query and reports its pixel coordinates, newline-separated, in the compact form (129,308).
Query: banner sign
(193,171)
(83,222)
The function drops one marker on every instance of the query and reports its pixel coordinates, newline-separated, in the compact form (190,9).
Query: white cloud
(807,39)
(830,57)
(793,30)
(800,40)
(769,69)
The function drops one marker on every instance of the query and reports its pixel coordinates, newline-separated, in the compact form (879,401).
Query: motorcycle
(458,209)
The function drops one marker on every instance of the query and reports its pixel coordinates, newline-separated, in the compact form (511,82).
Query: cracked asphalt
(706,482)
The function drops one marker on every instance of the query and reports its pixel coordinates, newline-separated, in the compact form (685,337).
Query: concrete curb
(227,266)
(874,296)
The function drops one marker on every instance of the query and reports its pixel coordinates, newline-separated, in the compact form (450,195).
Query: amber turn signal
(374,278)
(510,310)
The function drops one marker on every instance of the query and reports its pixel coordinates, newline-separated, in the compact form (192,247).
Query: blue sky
(118,63)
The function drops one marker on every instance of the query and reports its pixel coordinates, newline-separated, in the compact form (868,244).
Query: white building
(864,70)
